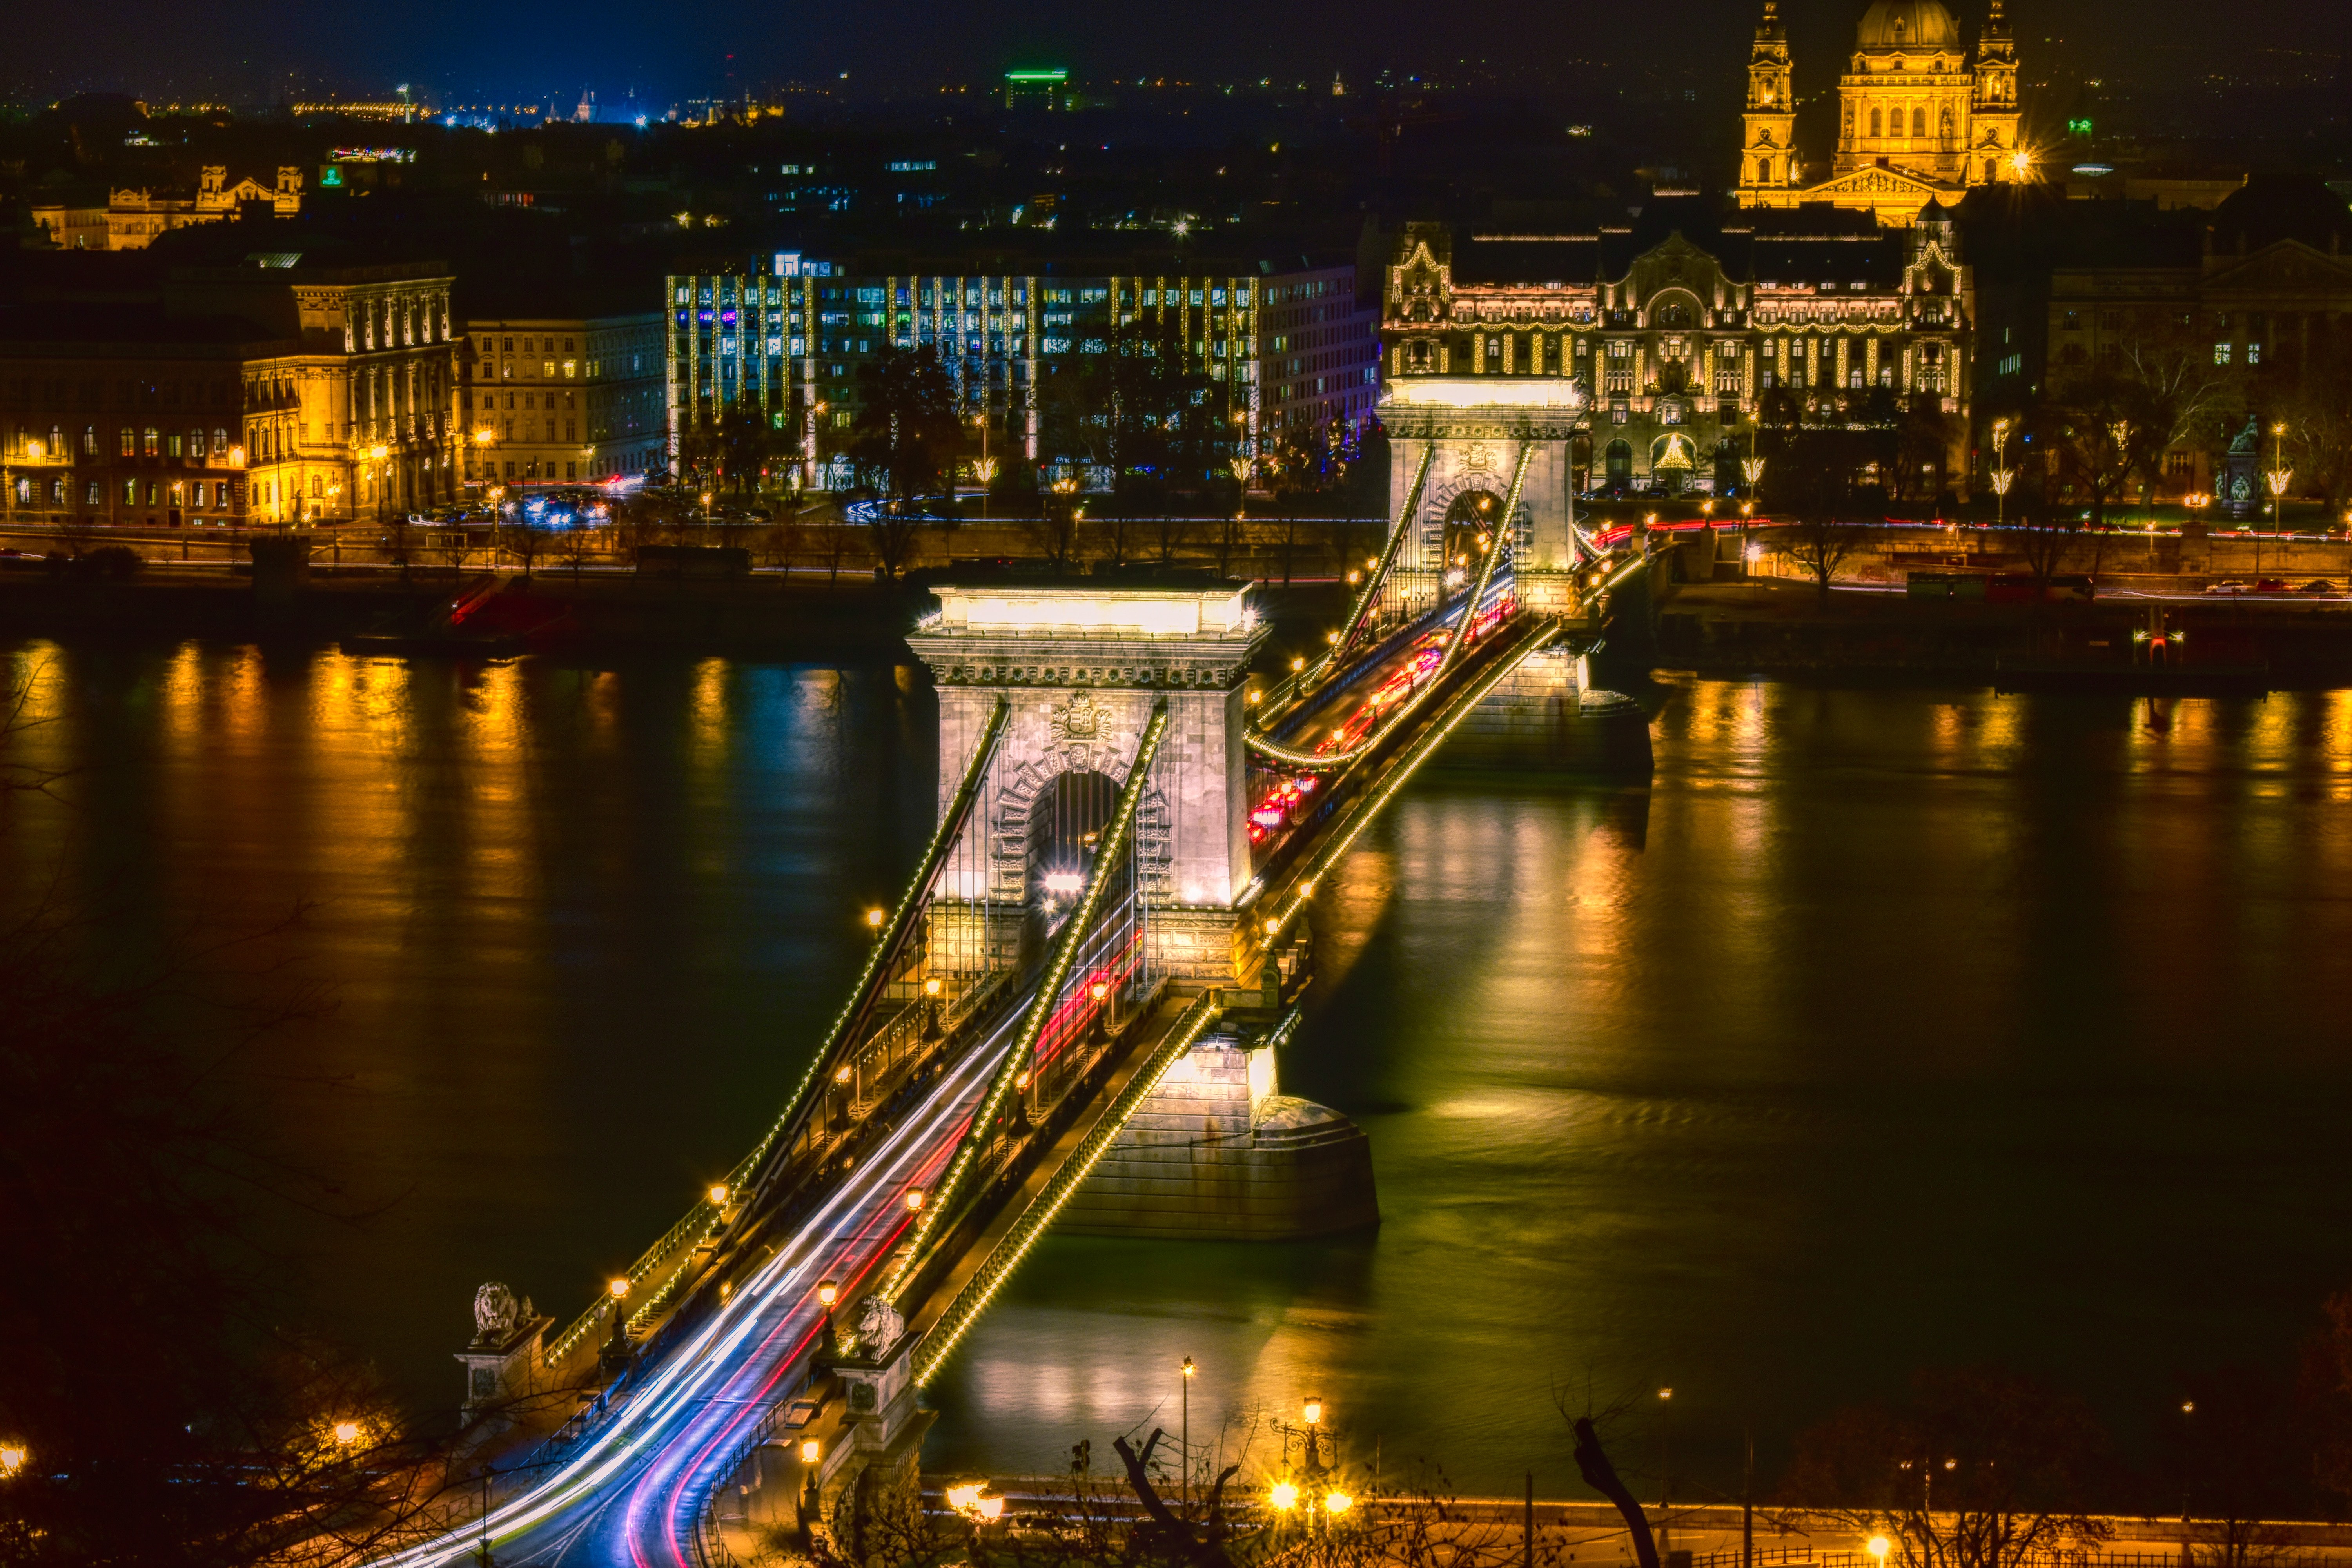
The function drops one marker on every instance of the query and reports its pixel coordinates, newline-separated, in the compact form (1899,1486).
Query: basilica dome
(1907,24)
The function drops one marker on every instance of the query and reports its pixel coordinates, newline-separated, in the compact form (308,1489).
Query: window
(1919,122)
(1875,122)
(89,493)
(130,493)
(129,442)
(2221,354)
(154,437)
(2253,353)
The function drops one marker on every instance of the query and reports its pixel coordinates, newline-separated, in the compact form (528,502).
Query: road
(631,1497)
(1340,719)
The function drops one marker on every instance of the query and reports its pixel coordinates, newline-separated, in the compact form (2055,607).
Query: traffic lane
(747,1333)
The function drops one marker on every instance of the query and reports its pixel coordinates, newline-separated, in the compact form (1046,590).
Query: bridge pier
(1545,715)
(1217,1153)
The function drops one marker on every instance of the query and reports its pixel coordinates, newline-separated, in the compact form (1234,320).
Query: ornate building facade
(1677,345)
(1918,121)
(244,395)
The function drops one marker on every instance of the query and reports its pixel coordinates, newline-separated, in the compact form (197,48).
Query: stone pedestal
(873,1473)
(502,1368)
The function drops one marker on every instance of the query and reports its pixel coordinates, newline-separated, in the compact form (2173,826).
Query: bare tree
(574,545)
(1810,483)
(524,542)
(1978,1470)
(1054,532)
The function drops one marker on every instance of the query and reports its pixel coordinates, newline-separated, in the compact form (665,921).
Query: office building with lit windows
(1283,351)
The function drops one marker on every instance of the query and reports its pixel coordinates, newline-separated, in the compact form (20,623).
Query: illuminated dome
(1907,24)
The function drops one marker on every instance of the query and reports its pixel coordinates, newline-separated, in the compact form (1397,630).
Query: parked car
(2269,585)
(2317,585)
(2226,585)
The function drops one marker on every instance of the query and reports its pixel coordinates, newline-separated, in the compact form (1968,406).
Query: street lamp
(377,474)
(1878,1547)
(616,1349)
(811,1452)
(1284,1497)
(2280,475)
(718,1194)
(827,1293)
(12,1461)
(1185,1372)
(914,1200)
(2002,474)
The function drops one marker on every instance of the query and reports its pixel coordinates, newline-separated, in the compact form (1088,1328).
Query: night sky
(691,48)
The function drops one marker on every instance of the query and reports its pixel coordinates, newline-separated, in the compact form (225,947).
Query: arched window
(1920,124)
(1877,120)
(1990,167)
(1763,171)
(90,441)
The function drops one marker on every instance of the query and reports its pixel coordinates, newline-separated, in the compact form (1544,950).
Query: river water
(1887,1028)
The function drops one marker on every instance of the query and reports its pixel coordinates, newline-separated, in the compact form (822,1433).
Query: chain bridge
(1131,829)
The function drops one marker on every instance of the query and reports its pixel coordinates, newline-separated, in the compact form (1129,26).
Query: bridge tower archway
(1474,429)
(1081,666)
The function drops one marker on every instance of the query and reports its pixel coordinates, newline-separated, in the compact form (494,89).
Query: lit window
(2221,354)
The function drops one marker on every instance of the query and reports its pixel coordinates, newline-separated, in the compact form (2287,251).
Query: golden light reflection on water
(1649,1089)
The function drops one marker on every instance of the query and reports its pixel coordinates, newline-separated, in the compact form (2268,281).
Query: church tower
(1994,154)
(1768,154)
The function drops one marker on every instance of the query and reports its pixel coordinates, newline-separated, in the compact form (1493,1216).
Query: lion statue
(879,1327)
(496,1312)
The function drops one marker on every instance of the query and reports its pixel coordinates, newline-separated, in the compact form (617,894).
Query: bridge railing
(1064,990)
(900,961)
(964,1308)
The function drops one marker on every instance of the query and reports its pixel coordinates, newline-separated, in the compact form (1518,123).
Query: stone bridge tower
(1082,662)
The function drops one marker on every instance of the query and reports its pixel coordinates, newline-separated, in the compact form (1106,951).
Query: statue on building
(879,1327)
(497,1311)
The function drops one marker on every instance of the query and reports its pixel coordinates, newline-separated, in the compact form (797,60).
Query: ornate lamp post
(2280,476)
(378,470)
(1185,1373)
(616,1349)
(985,470)
(2003,475)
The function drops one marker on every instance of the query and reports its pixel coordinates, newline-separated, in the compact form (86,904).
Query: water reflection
(1888,1028)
